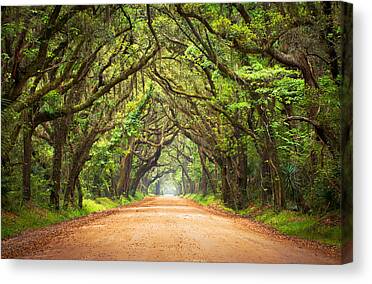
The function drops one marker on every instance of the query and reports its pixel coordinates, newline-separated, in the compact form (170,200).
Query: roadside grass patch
(305,226)
(99,204)
(205,200)
(33,216)
(90,206)
(137,197)
(208,200)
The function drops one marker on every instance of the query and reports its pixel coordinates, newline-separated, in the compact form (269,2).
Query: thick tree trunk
(242,173)
(329,29)
(187,183)
(80,156)
(59,139)
(228,193)
(203,183)
(192,186)
(27,155)
(206,175)
(80,193)
(69,197)
(184,182)
(143,169)
(157,188)
(125,170)
(56,175)
(146,184)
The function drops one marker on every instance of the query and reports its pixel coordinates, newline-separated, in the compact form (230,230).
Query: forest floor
(165,229)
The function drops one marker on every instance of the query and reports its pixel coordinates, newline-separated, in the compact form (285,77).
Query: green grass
(288,222)
(31,217)
(125,201)
(99,204)
(202,199)
(208,200)
(301,225)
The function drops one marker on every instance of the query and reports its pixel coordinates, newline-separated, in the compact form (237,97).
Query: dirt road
(160,229)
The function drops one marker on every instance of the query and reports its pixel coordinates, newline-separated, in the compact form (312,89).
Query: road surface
(161,229)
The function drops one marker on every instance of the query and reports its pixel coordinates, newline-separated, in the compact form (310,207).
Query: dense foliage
(241,101)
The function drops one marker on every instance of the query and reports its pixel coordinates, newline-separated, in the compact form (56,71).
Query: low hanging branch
(324,134)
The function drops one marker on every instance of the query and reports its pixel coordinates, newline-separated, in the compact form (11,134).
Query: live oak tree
(241,101)
(74,71)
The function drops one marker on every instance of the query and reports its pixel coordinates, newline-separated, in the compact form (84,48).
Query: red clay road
(160,229)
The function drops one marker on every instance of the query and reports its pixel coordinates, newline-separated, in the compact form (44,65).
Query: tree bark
(206,176)
(157,188)
(59,138)
(329,29)
(80,193)
(27,155)
(80,156)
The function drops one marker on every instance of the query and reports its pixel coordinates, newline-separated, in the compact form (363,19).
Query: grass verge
(32,217)
(291,223)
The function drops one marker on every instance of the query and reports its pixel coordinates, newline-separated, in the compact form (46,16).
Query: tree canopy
(239,100)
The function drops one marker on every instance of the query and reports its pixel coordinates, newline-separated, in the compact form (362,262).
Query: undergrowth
(305,226)
(202,199)
(309,227)
(138,196)
(32,216)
